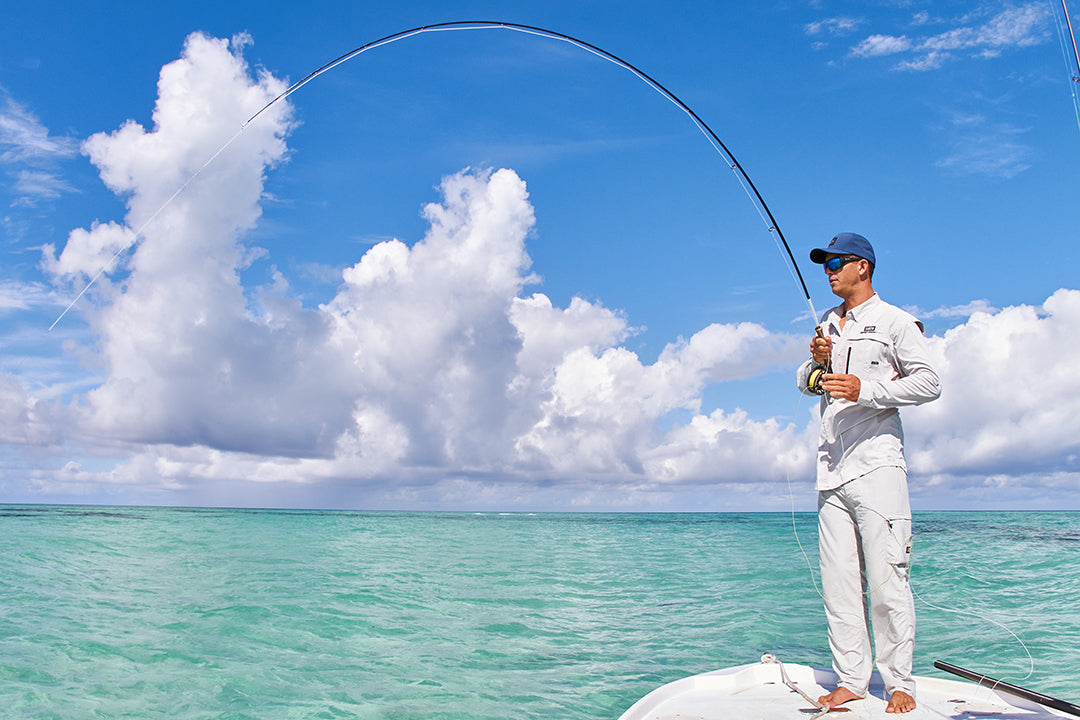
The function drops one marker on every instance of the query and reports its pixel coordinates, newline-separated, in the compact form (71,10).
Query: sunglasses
(834,264)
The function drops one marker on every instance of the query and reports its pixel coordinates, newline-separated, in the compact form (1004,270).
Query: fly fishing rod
(1072,60)
(714,139)
(1071,39)
(744,179)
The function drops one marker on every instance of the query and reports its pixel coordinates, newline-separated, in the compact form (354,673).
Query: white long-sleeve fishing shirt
(885,347)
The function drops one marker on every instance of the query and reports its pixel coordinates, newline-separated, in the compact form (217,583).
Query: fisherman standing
(868,359)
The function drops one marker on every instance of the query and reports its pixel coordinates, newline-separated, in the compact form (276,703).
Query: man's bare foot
(839,696)
(900,702)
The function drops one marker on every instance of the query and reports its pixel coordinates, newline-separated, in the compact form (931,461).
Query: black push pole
(1005,687)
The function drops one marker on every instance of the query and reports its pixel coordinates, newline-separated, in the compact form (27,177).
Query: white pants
(864,547)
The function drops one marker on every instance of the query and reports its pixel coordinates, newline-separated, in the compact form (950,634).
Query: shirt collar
(856,314)
(859,311)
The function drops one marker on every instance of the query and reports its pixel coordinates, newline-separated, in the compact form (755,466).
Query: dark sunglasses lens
(834,264)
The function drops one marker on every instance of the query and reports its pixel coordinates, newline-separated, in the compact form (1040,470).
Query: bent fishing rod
(1071,40)
(1072,59)
(740,173)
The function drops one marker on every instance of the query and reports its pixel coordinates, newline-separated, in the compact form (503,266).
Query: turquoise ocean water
(186,613)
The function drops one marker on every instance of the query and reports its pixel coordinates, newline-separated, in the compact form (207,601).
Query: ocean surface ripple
(264,614)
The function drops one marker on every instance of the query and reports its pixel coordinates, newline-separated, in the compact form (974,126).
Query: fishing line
(744,179)
(1031,659)
(142,228)
(794,527)
(1072,59)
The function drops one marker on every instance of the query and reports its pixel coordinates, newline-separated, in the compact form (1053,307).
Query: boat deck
(758,692)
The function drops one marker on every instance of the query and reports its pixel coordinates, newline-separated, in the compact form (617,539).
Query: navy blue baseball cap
(844,244)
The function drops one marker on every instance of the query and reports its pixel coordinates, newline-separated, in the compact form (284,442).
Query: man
(868,359)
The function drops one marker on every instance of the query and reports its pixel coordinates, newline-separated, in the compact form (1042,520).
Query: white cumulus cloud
(1011,398)
(438,374)
(431,359)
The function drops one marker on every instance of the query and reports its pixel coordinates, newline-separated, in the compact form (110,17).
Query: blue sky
(484,269)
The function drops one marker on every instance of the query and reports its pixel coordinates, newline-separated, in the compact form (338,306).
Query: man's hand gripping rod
(813,380)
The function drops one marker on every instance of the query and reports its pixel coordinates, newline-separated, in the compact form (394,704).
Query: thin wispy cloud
(31,185)
(1014,27)
(929,61)
(833,27)
(28,147)
(877,45)
(23,139)
(989,37)
(830,28)
(921,18)
(982,147)
(24,296)
(975,145)
(988,156)
(965,310)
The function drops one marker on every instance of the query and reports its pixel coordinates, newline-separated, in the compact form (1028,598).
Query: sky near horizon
(489,270)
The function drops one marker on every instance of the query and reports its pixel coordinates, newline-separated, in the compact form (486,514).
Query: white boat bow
(771,690)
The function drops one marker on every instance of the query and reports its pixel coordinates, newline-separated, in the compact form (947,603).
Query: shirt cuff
(866,394)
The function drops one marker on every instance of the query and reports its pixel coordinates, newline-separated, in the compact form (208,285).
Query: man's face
(843,280)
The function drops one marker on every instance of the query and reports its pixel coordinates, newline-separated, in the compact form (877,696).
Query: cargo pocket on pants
(900,543)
